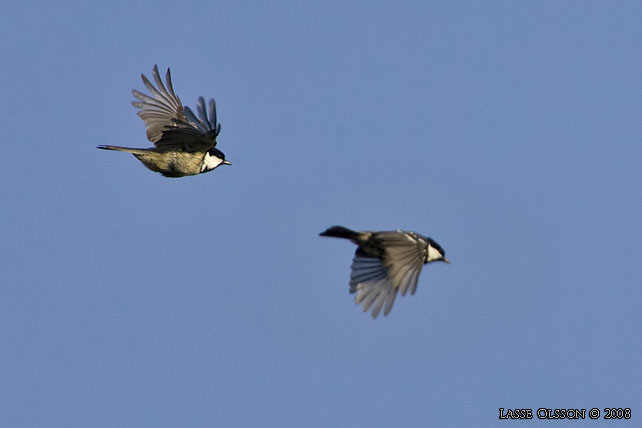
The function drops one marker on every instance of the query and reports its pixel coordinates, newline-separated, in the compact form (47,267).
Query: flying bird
(386,263)
(184,144)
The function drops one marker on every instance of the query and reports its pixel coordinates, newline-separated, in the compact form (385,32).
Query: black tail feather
(340,232)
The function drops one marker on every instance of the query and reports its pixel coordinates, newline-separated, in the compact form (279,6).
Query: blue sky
(507,131)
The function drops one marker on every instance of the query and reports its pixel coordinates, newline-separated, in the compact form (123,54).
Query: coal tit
(386,263)
(184,143)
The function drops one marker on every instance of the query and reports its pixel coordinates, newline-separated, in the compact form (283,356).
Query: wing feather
(170,124)
(376,281)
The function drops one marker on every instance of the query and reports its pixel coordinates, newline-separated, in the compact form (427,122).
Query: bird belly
(172,164)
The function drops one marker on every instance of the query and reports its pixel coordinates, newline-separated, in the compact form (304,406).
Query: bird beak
(227,162)
(445,260)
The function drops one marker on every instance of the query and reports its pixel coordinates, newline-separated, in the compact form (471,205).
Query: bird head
(213,158)
(435,253)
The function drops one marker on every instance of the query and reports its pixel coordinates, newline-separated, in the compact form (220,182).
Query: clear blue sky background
(508,131)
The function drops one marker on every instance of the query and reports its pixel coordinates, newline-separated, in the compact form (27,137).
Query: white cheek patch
(210,162)
(433,254)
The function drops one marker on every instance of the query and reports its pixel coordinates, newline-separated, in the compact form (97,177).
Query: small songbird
(386,263)
(184,143)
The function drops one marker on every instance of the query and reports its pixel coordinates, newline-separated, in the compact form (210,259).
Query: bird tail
(123,149)
(340,232)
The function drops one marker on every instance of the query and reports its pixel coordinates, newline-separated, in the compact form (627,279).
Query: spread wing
(170,124)
(377,280)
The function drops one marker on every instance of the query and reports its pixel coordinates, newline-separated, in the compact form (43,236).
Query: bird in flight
(184,143)
(386,263)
